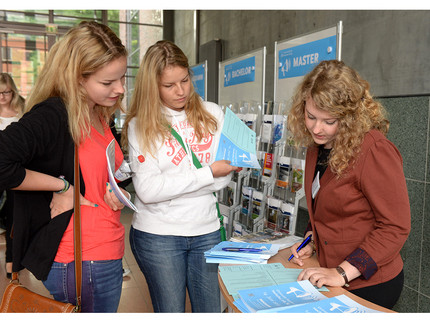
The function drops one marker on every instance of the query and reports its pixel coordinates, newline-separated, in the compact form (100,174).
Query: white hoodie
(172,196)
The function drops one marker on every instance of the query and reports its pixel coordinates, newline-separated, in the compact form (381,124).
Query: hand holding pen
(300,247)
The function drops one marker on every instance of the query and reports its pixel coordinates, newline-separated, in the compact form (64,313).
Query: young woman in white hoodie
(177,219)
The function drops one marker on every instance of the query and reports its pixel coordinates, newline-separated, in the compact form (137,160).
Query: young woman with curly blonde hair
(354,184)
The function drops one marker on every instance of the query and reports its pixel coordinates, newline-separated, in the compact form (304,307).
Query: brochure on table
(296,297)
(275,298)
(110,157)
(240,277)
(336,304)
(218,255)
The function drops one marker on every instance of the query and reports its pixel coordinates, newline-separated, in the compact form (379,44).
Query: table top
(282,257)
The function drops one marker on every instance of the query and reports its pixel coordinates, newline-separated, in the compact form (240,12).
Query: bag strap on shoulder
(199,165)
(77,231)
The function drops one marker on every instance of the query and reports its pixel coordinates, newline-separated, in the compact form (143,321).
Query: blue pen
(242,249)
(302,245)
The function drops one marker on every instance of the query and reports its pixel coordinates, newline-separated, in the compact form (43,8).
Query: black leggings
(385,294)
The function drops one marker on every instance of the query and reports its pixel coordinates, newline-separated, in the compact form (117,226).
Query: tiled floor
(135,295)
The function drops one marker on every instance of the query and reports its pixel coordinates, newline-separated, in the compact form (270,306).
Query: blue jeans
(172,264)
(101,284)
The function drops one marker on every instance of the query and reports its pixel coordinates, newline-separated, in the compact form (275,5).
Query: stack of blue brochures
(230,252)
(296,297)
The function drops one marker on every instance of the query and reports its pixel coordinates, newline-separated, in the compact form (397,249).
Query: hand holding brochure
(237,143)
(110,157)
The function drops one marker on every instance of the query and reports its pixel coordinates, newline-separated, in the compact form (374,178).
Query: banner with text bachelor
(300,60)
(240,72)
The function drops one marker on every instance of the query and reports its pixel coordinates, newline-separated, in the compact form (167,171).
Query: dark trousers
(386,294)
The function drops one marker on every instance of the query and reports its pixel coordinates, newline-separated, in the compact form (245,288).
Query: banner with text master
(300,60)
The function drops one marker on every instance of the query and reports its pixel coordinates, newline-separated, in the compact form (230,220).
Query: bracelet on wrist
(343,274)
(66,185)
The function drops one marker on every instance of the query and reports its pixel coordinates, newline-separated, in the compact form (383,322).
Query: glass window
(26,16)
(24,46)
(71,18)
(138,29)
(23,57)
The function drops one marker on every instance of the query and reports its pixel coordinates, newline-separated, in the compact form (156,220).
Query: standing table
(282,257)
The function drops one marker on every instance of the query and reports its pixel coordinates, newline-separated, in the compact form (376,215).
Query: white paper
(110,157)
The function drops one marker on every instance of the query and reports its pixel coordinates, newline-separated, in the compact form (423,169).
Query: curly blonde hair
(84,50)
(146,102)
(340,91)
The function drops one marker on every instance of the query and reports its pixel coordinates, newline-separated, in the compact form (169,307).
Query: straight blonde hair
(80,53)
(152,127)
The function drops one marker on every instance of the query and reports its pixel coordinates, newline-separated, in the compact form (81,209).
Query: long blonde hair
(80,53)
(146,104)
(340,91)
(17,102)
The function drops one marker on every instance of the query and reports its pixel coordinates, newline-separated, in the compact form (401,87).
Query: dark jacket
(39,141)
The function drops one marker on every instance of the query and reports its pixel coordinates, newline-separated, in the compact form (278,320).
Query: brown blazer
(367,209)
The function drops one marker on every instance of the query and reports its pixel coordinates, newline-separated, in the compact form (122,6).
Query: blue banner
(240,72)
(300,60)
(198,79)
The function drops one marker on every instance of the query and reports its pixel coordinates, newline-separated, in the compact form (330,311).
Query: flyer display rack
(257,199)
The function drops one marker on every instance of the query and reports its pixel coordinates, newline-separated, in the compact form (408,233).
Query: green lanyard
(198,165)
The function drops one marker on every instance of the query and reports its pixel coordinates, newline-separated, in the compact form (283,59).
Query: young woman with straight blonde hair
(354,184)
(75,95)
(177,219)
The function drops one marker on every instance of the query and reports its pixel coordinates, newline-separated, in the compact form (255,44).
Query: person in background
(11,109)
(177,219)
(79,88)
(354,185)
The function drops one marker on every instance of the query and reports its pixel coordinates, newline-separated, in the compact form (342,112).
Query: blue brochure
(275,298)
(296,297)
(337,304)
(237,143)
(237,253)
